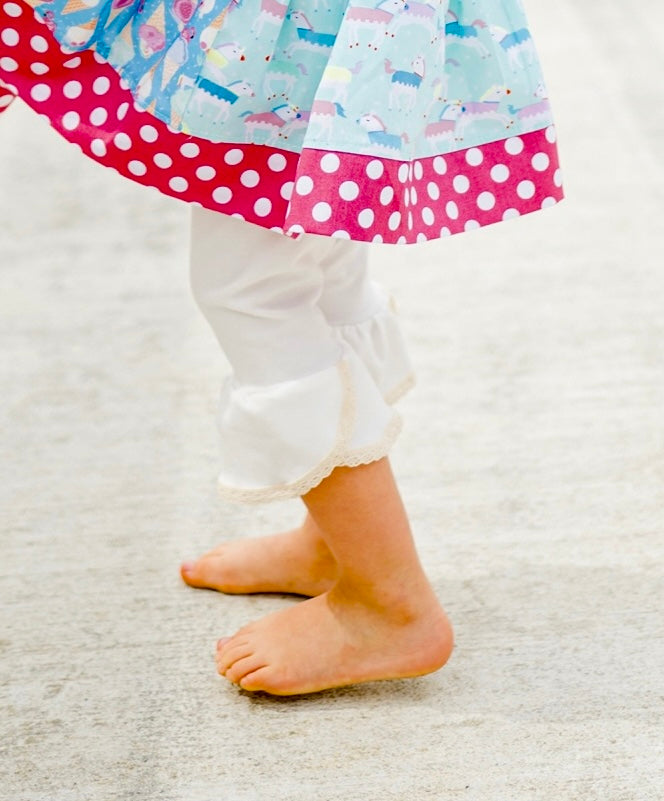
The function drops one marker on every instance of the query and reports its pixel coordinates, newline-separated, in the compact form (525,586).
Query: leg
(381,619)
(261,294)
(249,283)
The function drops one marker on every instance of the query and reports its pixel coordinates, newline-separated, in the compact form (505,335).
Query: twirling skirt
(376,120)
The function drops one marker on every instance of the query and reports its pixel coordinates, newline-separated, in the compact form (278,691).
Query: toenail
(187,567)
(222,642)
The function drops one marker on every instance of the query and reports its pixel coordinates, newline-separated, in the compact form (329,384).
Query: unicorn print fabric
(376,120)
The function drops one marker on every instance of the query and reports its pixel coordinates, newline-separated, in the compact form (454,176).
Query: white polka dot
(406,198)
(178,184)
(122,141)
(525,189)
(413,195)
(474,156)
(330,162)
(8,64)
(136,167)
(418,170)
(410,221)
(394,221)
(222,194)
(401,240)
(121,111)
(386,195)
(433,190)
(410,172)
(38,68)
(551,134)
(238,216)
(378,239)
(5,100)
(148,133)
(12,10)
(499,173)
(72,89)
(440,165)
(97,56)
(40,92)
(286,190)
(162,160)
(375,169)
(540,162)
(365,218)
(9,36)
(262,207)
(295,230)
(39,44)
(70,121)
(513,145)
(72,63)
(471,225)
(98,147)
(341,235)
(321,212)
(428,216)
(250,178)
(558,177)
(548,201)
(510,214)
(445,231)
(461,184)
(349,190)
(452,210)
(277,162)
(101,85)
(486,201)
(304,185)
(234,156)
(421,237)
(205,172)
(403,173)
(190,150)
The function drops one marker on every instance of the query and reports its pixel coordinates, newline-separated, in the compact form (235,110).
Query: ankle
(402,605)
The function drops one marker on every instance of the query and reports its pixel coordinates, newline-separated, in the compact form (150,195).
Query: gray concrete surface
(532,462)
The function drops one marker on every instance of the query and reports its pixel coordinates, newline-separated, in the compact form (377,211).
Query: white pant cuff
(277,440)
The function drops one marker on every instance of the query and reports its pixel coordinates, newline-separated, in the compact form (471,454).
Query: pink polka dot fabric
(346,195)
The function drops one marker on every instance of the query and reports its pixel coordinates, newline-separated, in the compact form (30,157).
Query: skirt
(387,121)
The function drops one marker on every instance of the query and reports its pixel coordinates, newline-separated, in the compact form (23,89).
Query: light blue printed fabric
(390,78)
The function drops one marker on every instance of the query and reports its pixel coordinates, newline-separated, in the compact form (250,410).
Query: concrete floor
(532,463)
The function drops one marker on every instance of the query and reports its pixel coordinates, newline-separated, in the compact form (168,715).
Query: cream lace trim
(339,456)
(400,390)
(390,307)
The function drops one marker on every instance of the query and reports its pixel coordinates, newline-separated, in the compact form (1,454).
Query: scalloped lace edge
(339,456)
(401,389)
(389,309)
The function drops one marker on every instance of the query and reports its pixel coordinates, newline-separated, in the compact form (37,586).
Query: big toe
(197,573)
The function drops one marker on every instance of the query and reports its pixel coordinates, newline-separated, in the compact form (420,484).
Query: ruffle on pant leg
(280,440)
(379,343)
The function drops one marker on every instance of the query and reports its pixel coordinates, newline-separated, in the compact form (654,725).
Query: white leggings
(316,353)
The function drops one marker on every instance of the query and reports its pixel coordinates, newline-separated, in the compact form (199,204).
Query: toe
(254,680)
(207,572)
(230,652)
(262,679)
(191,574)
(243,667)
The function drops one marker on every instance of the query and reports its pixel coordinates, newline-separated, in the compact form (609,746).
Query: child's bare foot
(296,561)
(336,639)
